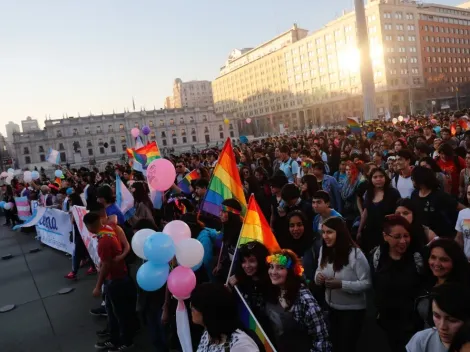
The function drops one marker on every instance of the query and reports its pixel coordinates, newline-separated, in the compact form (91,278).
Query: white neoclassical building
(102,138)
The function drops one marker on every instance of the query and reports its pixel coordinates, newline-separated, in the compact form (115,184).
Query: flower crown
(286,262)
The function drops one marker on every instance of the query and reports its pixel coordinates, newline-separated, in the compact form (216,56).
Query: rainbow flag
(256,228)
(146,154)
(249,321)
(353,124)
(186,181)
(225,183)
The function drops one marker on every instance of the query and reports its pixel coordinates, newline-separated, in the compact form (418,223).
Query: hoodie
(207,237)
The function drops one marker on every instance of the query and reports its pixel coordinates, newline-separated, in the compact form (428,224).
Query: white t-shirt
(404,186)
(239,342)
(463,225)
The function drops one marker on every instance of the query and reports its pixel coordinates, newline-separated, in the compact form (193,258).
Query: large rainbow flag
(186,181)
(146,154)
(256,228)
(225,183)
(353,124)
(249,321)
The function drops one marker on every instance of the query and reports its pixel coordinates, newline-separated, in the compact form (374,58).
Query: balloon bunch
(8,175)
(159,248)
(6,206)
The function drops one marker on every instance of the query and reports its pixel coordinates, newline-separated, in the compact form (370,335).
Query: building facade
(192,94)
(102,138)
(315,79)
(29,124)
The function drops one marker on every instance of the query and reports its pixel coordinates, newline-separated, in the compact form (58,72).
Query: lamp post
(367,74)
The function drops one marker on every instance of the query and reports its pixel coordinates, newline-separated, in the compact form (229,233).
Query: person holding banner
(106,197)
(296,318)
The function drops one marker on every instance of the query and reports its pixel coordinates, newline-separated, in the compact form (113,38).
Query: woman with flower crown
(295,316)
(344,272)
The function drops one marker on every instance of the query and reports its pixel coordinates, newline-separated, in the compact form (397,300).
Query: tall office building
(11,128)
(29,124)
(192,94)
(299,79)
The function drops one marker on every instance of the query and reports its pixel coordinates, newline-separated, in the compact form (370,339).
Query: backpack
(418,259)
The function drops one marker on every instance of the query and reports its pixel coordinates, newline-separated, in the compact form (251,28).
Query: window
(193,131)
(387,15)
(113,149)
(101,150)
(41,149)
(411,38)
(162,123)
(183,132)
(401,38)
(388,37)
(152,136)
(87,130)
(112,141)
(221,128)
(232,134)
(173,133)
(27,160)
(121,127)
(98,129)
(75,132)
(25,150)
(191,119)
(221,135)
(136,124)
(399,27)
(42,157)
(398,15)
(181,121)
(194,139)
(185,140)
(172,121)
(204,118)
(59,133)
(151,123)
(63,157)
(208,139)
(206,129)
(90,152)
(163,134)
(61,146)
(230,127)
(110,128)
(388,27)
(124,147)
(409,16)
(411,27)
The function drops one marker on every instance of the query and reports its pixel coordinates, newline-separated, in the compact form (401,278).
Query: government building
(84,141)
(420,55)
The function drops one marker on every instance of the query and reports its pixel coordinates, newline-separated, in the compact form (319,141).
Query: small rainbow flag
(256,228)
(225,183)
(353,124)
(249,321)
(147,154)
(186,181)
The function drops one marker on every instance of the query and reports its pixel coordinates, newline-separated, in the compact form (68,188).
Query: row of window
(448,40)
(398,15)
(444,59)
(448,30)
(398,27)
(445,19)
(401,38)
(447,70)
(402,60)
(433,49)
(401,49)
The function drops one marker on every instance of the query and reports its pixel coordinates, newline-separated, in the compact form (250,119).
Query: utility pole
(367,74)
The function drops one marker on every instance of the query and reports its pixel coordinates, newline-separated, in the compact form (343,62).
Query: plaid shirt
(308,314)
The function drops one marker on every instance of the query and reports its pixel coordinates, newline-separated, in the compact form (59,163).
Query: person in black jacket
(397,282)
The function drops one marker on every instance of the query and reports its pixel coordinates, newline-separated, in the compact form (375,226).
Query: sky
(75,57)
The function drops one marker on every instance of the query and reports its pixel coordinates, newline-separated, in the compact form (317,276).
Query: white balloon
(178,230)
(8,180)
(7,206)
(138,241)
(27,179)
(189,252)
(4,174)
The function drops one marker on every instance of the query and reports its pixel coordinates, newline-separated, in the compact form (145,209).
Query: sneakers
(101,312)
(103,333)
(71,276)
(91,271)
(120,348)
(106,345)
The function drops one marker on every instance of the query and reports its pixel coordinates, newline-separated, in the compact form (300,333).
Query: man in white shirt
(402,181)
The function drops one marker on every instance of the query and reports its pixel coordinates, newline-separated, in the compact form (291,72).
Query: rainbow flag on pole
(186,181)
(249,321)
(225,183)
(354,126)
(146,154)
(256,228)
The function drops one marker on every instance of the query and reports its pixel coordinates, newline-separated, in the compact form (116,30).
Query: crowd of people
(378,215)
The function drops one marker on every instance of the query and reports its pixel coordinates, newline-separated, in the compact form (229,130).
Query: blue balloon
(58,173)
(151,276)
(69,191)
(196,267)
(159,248)
(35,175)
(244,139)
(2,204)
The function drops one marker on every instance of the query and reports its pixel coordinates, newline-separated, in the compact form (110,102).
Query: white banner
(54,229)
(91,243)
(36,217)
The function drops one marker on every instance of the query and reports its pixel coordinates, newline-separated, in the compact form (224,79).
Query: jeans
(157,329)
(345,328)
(120,298)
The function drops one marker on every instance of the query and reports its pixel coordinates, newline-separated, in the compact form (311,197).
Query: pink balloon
(181,282)
(161,174)
(177,230)
(135,132)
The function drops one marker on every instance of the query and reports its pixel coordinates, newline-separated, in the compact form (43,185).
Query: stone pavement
(43,320)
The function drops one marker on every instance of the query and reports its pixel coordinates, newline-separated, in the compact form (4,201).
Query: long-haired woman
(344,271)
(143,204)
(296,318)
(308,187)
(380,200)
(354,178)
